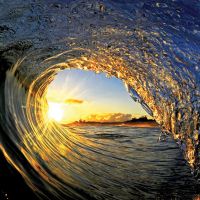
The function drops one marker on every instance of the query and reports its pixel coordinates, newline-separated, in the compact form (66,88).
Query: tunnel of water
(154,47)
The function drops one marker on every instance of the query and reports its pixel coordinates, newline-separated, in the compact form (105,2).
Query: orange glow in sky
(55,111)
(77,94)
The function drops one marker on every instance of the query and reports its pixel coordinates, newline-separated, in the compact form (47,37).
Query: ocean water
(115,163)
(131,163)
(153,46)
(88,162)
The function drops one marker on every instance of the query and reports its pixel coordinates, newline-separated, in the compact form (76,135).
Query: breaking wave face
(153,47)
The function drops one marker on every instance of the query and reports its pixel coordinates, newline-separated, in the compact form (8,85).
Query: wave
(153,47)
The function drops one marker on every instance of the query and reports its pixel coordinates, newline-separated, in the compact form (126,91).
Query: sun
(55,111)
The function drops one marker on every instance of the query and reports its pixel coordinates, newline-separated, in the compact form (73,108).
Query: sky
(77,94)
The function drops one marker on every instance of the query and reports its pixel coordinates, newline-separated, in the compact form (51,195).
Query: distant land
(134,122)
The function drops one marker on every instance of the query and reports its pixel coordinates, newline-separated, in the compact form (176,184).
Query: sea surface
(137,165)
(121,163)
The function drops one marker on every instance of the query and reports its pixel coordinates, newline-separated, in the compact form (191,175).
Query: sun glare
(55,111)
(77,95)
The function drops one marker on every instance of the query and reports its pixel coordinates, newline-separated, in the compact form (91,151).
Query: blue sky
(97,94)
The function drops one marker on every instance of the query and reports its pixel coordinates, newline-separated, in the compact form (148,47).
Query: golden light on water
(55,111)
(53,149)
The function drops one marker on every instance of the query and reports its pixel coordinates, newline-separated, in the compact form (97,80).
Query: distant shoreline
(141,122)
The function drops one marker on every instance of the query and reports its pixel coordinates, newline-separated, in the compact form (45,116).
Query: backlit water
(134,165)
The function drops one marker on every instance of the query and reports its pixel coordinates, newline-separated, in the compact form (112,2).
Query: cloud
(74,101)
(109,117)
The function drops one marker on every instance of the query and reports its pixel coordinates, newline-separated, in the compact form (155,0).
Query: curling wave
(153,47)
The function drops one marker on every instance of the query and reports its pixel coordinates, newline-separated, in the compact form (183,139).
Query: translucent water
(153,46)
